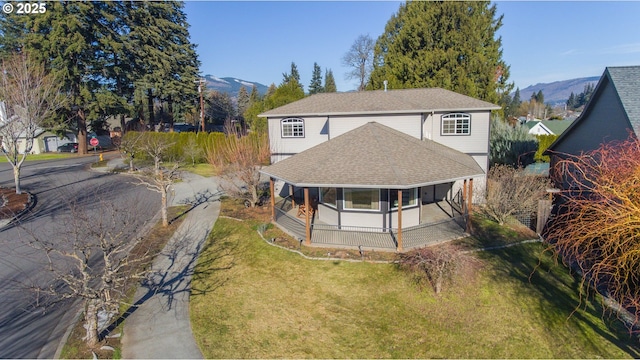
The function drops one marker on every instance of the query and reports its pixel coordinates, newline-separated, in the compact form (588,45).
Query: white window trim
(344,201)
(415,191)
(292,122)
(455,117)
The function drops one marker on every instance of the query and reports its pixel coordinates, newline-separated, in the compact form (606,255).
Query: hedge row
(189,146)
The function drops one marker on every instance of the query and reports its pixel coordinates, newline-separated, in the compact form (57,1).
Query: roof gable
(375,156)
(380,102)
(625,82)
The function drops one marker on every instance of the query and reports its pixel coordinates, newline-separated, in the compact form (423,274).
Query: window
(409,198)
(361,199)
(293,127)
(328,196)
(456,124)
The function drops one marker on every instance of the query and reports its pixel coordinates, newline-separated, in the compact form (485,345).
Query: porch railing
(369,237)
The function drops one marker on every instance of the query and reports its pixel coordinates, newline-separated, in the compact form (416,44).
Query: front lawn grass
(254,300)
(43,157)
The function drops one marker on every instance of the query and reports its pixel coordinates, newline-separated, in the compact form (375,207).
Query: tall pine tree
(106,53)
(316,80)
(329,82)
(447,44)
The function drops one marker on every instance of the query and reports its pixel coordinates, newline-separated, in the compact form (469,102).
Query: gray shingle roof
(375,156)
(626,80)
(380,102)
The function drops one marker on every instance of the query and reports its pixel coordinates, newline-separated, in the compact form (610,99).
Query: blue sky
(542,41)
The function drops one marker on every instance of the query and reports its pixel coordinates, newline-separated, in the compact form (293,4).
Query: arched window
(292,127)
(456,124)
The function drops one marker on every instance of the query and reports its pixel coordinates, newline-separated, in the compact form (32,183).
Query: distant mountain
(232,86)
(558,92)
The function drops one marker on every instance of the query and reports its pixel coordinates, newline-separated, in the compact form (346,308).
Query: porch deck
(441,222)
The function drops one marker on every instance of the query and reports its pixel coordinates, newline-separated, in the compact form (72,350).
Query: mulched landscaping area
(12,203)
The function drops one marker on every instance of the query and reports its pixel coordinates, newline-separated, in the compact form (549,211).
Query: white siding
(408,124)
(410,217)
(476,142)
(373,219)
(327,215)
(315,132)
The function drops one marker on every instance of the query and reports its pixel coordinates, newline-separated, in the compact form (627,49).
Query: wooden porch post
(293,200)
(464,195)
(273,199)
(469,200)
(307,207)
(399,220)
(470,195)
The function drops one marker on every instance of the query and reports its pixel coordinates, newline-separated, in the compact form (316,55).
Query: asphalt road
(28,330)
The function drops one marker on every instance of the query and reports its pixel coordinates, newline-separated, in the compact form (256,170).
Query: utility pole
(201,82)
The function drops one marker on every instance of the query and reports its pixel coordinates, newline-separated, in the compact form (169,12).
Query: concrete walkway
(158,326)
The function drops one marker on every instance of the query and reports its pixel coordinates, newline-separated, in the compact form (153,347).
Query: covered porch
(354,192)
(439,225)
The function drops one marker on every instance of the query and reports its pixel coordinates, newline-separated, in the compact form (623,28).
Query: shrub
(435,265)
(544,141)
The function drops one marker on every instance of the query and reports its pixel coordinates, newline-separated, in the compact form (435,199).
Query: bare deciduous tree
(28,98)
(359,59)
(91,259)
(597,226)
(159,179)
(509,192)
(238,160)
(129,144)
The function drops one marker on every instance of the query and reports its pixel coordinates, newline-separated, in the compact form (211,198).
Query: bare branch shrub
(509,191)
(238,160)
(28,98)
(435,265)
(597,225)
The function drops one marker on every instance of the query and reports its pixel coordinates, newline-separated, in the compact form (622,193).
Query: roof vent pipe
(385,85)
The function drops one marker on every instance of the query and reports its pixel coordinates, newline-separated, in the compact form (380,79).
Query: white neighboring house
(547,127)
(43,140)
(355,155)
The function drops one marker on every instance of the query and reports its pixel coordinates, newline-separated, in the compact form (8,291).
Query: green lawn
(253,300)
(41,157)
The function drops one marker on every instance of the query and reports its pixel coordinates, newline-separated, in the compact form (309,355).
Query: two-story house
(377,162)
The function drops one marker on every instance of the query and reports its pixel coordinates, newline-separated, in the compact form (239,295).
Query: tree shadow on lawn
(559,293)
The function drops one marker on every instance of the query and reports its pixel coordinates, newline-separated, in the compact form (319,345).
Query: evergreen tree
(572,101)
(515,104)
(166,63)
(293,76)
(219,107)
(447,44)
(270,90)
(243,100)
(255,95)
(329,82)
(109,55)
(316,80)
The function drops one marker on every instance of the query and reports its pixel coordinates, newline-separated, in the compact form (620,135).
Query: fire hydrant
(101,157)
